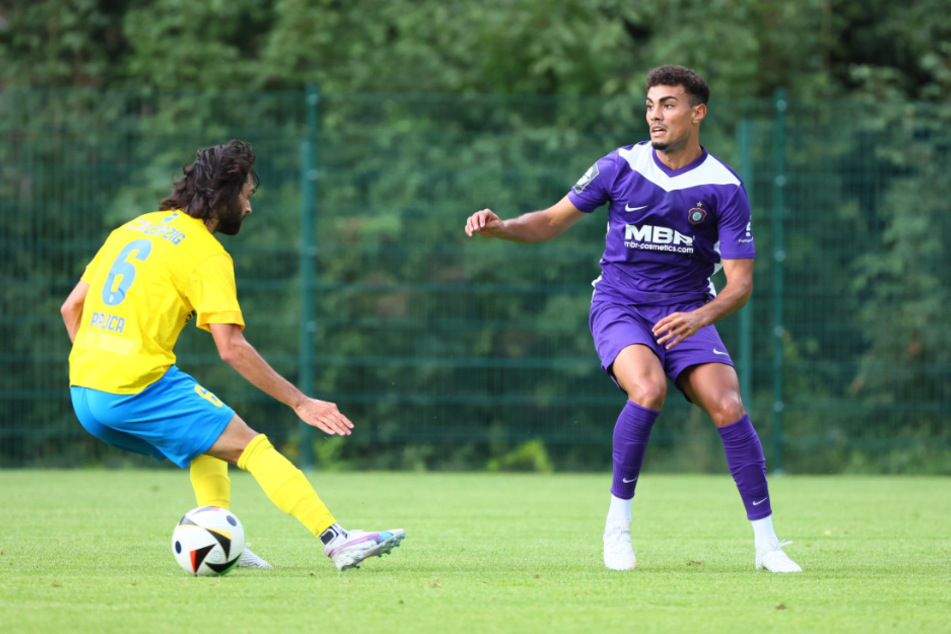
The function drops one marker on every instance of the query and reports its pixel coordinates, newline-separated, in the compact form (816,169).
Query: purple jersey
(667,229)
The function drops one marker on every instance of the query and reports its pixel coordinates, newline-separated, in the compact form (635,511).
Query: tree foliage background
(746,48)
(430,110)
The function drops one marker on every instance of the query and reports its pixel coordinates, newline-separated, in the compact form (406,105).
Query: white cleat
(618,551)
(250,560)
(772,558)
(361,545)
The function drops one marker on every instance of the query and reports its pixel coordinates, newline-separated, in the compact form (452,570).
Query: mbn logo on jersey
(654,238)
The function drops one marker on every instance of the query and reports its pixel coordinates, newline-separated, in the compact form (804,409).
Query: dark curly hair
(694,85)
(212,183)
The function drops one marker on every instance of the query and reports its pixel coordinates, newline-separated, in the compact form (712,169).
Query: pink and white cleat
(359,545)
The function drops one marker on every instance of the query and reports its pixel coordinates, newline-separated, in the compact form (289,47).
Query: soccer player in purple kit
(676,215)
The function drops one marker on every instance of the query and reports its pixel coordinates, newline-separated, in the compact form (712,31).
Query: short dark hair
(212,183)
(694,85)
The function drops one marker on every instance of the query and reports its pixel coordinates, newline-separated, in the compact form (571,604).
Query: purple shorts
(616,326)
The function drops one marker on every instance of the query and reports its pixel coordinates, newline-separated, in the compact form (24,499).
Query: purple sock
(631,433)
(744,457)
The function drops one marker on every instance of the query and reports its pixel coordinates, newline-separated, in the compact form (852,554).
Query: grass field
(88,551)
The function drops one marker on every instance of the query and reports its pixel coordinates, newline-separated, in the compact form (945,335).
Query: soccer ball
(208,541)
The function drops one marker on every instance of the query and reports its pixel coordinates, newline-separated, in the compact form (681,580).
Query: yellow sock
(285,485)
(211,482)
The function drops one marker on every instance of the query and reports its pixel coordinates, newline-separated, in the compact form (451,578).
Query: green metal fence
(357,280)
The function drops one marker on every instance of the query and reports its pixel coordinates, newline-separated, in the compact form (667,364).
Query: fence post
(308,268)
(744,141)
(779,255)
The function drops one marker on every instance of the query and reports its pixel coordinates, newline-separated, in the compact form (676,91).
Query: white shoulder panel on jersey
(710,172)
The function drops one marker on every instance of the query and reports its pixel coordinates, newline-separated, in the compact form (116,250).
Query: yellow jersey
(150,277)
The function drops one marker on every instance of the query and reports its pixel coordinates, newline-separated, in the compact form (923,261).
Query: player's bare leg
(638,372)
(715,388)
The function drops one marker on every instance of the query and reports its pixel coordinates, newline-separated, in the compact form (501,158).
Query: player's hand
(324,416)
(484,222)
(676,327)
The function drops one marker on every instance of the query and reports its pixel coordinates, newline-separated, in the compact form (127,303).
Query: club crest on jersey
(697,215)
(585,180)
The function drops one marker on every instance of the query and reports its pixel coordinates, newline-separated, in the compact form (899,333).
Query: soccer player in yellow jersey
(151,277)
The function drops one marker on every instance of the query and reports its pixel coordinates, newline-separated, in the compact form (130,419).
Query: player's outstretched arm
(235,350)
(72,308)
(536,226)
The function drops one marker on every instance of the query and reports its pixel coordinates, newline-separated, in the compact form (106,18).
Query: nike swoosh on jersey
(715,351)
(629,208)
